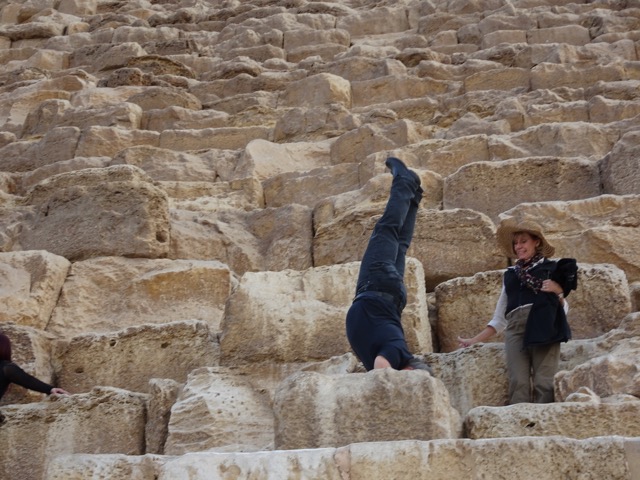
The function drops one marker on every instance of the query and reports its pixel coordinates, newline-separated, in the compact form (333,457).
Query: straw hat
(508,228)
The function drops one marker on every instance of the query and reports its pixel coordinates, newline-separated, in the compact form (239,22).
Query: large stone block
(58,144)
(102,421)
(620,172)
(224,138)
(298,316)
(94,212)
(111,293)
(30,283)
(317,90)
(315,411)
(466,304)
(603,229)
(108,141)
(257,240)
(568,419)
(493,187)
(221,411)
(131,357)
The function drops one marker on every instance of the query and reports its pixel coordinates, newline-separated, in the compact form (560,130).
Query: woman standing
(532,311)
(12,373)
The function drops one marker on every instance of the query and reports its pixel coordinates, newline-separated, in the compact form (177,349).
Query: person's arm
(552,286)
(16,375)
(497,324)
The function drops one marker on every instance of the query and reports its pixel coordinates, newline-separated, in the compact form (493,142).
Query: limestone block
(620,172)
(229,138)
(585,140)
(243,194)
(117,56)
(163,393)
(569,419)
(297,316)
(220,411)
(604,110)
(315,124)
(239,103)
(31,350)
(168,165)
(30,283)
(565,34)
(309,188)
(326,52)
(79,8)
(257,240)
(446,156)
(499,79)
(375,21)
(31,30)
(110,293)
(317,90)
(315,411)
(113,466)
(154,98)
(28,180)
(267,159)
(473,376)
(294,39)
(108,141)
(397,87)
(551,75)
(95,212)
(59,113)
(496,37)
(466,305)
(610,374)
(129,358)
(356,65)
(493,187)
(104,420)
(58,144)
(595,230)
(557,113)
(372,138)
(180,118)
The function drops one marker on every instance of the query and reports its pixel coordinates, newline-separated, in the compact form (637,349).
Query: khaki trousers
(530,368)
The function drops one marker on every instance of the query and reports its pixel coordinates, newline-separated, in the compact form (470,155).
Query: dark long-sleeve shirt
(12,373)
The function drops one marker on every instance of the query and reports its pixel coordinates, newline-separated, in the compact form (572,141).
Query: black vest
(519,294)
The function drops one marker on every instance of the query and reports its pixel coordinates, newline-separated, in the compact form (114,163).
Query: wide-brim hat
(508,228)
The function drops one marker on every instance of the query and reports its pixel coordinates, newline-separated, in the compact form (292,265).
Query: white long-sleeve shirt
(499,320)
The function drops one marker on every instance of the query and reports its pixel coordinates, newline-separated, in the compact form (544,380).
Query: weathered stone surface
(56,145)
(318,90)
(105,420)
(499,186)
(110,293)
(465,305)
(604,457)
(224,138)
(117,359)
(95,212)
(620,172)
(28,180)
(30,283)
(569,419)
(257,240)
(297,316)
(163,393)
(596,230)
(315,411)
(31,350)
(218,410)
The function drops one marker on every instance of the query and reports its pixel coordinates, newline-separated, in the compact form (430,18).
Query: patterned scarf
(522,268)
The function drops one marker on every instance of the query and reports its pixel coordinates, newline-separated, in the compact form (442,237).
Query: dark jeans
(383,263)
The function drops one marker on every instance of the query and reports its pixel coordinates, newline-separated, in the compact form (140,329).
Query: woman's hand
(551,286)
(465,342)
(58,391)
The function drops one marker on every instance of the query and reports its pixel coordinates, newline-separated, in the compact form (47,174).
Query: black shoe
(398,168)
(417,364)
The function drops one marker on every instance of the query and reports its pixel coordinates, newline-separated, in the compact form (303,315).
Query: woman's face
(525,245)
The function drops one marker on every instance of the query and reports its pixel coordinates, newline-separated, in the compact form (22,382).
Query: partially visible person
(532,311)
(373,325)
(12,373)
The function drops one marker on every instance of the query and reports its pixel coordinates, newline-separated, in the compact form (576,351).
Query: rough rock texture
(314,410)
(184,184)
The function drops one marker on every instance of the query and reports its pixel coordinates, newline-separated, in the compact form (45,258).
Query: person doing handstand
(373,324)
